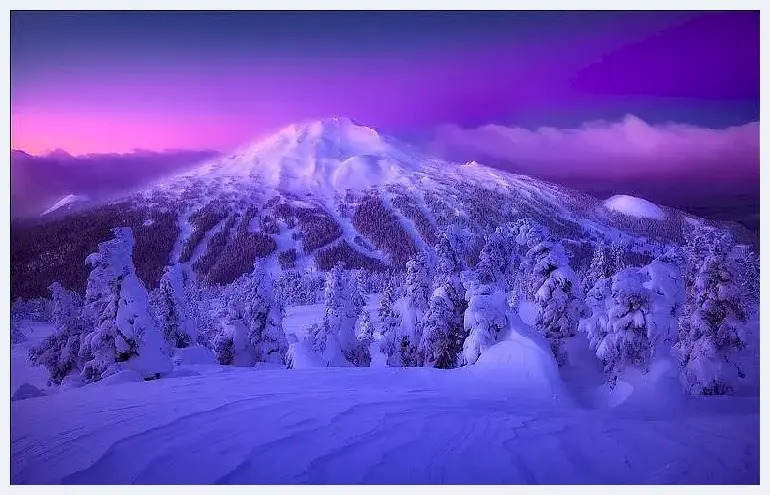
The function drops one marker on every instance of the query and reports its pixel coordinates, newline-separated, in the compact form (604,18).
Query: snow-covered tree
(411,309)
(341,308)
(364,336)
(231,344)
(365,330)
(335,339)
(59,352)
(595,325)
(357,294)
(634,315)
(714,326)
(442,328)
(598,269)
(618,258)
(629,338)
(528,233)
(263,316)
(390,326)
(122,335)
(664,279)
(699,242)
(443,333)
(176,325)
(747,267)
(485,319)
(449,261)
(493,260)
(208,307)
(555,291)
(418,282)
(512,275)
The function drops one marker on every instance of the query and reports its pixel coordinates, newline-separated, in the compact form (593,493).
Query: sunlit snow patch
(635,207)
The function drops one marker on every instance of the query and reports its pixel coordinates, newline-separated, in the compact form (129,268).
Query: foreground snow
(475,425)
(22,371)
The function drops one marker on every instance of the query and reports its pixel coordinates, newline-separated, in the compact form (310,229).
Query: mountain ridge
(318,193)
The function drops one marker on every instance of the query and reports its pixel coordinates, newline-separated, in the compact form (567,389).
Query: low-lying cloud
(710,172)
(627,149)
(39,181)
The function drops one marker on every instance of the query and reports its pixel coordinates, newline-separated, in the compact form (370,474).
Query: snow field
(508,419)
(366,426)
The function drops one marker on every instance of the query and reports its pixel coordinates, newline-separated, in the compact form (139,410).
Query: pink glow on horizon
(181,107)
(106,135)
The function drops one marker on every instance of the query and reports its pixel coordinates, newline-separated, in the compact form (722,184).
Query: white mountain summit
(321,157)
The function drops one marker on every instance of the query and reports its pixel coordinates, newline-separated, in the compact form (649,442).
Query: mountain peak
(341,132)
(335,122)
(323,155)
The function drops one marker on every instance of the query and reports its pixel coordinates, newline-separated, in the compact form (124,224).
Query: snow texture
(401,426)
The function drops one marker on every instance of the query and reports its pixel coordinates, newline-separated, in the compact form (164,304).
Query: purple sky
(116,82)
(555,93)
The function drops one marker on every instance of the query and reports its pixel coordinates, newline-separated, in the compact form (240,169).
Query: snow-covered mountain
(68,203)
(536,372)
(317,193)
(320,157)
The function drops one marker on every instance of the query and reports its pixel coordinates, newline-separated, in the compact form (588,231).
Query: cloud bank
(630,148)
(700,169)
(39,181)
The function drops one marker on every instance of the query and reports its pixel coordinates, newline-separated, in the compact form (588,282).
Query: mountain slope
(317,193)
(67,203)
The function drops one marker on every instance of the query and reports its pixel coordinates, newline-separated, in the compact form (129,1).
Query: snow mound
(149,365)
(658,388)
(182,373)
(67,201)
(122,376)
(300,356)
(26,391)
(635,207)
(525,365)
(194,355)
(71,382)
